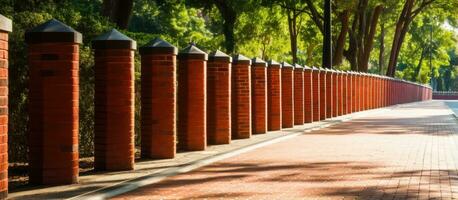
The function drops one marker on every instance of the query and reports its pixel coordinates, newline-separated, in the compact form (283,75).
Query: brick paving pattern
(408,152)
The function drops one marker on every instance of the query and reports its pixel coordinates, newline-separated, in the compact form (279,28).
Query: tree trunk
(369,38)
(418,68)
(118,11)
(292,18)
(401,26)
(229,16)
(381,58)
(340,44)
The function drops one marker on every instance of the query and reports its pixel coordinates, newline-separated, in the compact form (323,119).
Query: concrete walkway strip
(149,172)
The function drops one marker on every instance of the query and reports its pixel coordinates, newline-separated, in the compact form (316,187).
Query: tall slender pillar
(323,101)
(158,99)
(335,93)
(192,99)
(329,93)
(316,94)
(298,95)
(308,95)
(287,88)
(53,55)
(241,97)
(5,28)
(346,90)
(114,101)
(274,96)
(259,95)
(219,98)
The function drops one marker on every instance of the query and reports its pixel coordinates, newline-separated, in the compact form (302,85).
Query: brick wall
(114,101)
(274,96)
(192,105)
(329,94)
(316,93)
(241,97)
(53,59)
(259,96)
(323,102)
(308,95)
(298,95)
(158,99)
(5,28)
(287,85)
(219,98)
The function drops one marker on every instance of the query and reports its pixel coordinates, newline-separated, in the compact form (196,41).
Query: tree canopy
(411,39)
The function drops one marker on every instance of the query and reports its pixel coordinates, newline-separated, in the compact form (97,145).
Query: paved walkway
(409,152)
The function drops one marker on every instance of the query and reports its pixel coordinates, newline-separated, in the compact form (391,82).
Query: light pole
(327,40)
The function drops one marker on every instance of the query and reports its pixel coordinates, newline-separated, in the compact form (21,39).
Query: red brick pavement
(404,153)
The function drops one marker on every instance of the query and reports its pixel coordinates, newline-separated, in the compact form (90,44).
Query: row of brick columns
(189,99)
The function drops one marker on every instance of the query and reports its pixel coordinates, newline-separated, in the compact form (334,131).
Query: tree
(410,10)
(118,11)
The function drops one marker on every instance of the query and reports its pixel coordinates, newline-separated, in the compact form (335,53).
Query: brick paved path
(405,153)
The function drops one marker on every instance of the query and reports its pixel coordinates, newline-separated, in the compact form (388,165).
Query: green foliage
(261,29)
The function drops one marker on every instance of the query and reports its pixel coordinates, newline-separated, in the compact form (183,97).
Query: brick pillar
(219,98)
(308,95)
(350,92)
(259,96)
(335,93)
(316,94)
(5,28)
(360,91)
(329,93)
(241,97)
(298,95)
(287,100)
(364,92)
(355,92)
(274,96)
(158,99)
(53,55)
(192,99)
(114,101)
(346,85)
(323,103)
(339,93)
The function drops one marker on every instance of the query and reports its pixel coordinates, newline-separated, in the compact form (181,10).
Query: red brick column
(241,97)
(335,93)
(192,99)
(53,55)
(323,102)
(114,101)
(5,28)
(259,96)
(316,94)
(298,95)
(308,95)
(219,98)
(345,89)
(349,92)
(274,96)
(360,91)
(329,93)
(158,99)
(364,91)
(340,99)
(287,100)
(354,90)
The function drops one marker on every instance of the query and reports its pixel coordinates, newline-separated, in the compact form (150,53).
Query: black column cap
(53,31)
(158,46)
(192,52)
(219,56)
(258,62)
(241,59)
(113,39)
